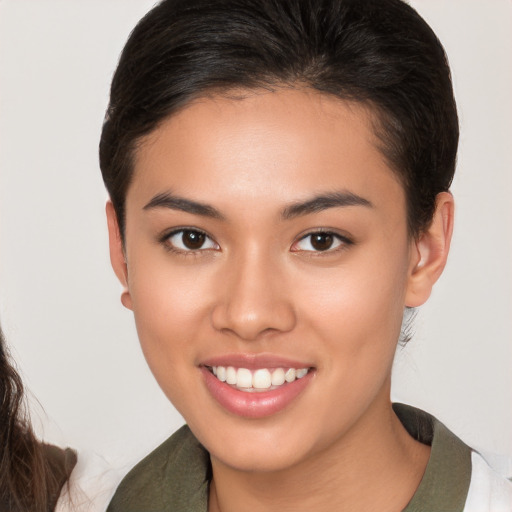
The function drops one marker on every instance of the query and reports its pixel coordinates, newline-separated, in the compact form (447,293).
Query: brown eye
(193,239)
(190,240)
(322,241)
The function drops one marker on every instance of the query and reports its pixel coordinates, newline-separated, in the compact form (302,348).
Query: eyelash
(343,240)
(165,240)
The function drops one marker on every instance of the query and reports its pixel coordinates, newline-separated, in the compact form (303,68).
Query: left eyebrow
(324,202)
(169,200)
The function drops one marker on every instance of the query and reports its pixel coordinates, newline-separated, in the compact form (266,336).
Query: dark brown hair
(31,473)
(377,52)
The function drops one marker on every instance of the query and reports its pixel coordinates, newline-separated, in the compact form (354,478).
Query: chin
(259,460)
(257,446)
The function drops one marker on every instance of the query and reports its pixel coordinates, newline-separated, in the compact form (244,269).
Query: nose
(252,300)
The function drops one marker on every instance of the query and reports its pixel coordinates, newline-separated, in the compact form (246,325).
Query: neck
(376,462)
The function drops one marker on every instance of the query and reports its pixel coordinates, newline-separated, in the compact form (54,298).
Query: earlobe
(117,255)
(430,252)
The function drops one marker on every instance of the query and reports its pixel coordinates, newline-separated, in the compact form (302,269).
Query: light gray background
(59,301)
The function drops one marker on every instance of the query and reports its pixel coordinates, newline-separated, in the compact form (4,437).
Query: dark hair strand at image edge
(387,59)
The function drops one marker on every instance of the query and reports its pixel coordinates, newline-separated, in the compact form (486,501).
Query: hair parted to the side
(377,52)
(31,474)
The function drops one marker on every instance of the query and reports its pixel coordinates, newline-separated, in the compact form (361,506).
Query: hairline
(376,115)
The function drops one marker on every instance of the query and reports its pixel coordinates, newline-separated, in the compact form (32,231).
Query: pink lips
(259,404)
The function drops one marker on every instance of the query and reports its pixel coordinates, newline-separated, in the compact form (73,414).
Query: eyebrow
(314,205)
(168,200)
(324,202)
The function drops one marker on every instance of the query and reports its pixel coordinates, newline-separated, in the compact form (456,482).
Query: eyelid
(168,234)
(344,239)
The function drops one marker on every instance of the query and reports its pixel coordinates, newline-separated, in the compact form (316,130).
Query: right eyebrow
(323,202)
(169,200)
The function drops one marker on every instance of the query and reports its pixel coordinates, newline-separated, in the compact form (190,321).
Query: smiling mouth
(258,380)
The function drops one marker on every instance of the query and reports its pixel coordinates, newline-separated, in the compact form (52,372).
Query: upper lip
(254,361)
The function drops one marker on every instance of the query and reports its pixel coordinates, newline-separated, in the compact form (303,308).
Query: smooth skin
(257,282)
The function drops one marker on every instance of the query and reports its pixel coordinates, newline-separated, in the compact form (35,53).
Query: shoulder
(60,461)
(177,473)
(60,465)
(91,483)
(457,478)
(488,491)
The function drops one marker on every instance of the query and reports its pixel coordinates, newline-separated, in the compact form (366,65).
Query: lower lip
(256,404)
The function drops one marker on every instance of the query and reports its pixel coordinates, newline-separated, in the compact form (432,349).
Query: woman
(279,177)
(32,474)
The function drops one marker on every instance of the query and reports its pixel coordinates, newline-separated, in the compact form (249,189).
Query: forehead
(263,144)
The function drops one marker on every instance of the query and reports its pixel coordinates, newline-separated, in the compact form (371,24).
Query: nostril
(251,322)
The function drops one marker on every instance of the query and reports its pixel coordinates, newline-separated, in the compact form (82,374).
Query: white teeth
(260,379)
(290,375)
(230,375)
(221,373)
(301,373)
(244,378)
(278,377)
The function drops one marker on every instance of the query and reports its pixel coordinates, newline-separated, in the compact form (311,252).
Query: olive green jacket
(175,477)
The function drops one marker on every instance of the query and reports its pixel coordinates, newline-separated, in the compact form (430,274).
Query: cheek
(165,296)
(354,316)
(358,307)
(170,310)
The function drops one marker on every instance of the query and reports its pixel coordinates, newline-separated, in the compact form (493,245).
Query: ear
(117,254)
(430,252)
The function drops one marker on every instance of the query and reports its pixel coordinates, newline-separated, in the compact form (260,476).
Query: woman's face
(266,233)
